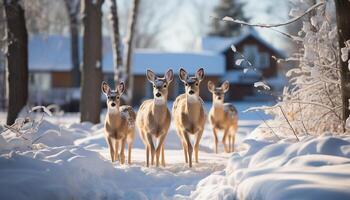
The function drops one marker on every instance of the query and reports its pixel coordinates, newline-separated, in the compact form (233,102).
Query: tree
(129,49)
(115,37)
(72,7)
(343,24)
(17,58)
(230,8)
(90,102)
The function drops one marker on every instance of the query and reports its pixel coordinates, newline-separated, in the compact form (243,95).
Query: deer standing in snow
(153,118)
(189,115)
(119,123)
(223,116)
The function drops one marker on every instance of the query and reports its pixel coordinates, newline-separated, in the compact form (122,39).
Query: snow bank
(315,168)
(71,162)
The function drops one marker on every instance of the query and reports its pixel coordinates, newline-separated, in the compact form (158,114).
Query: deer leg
(122,149)
(184,147)
(151,147)
(147,156)
(163,158)
(115,149)
(110,147)
(196,144)
(159,147)
(189,148)
(224,140)
(215,139)
(229,143)
(233,142)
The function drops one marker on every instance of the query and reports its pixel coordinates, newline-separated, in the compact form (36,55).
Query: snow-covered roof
(53,54)
(221,44)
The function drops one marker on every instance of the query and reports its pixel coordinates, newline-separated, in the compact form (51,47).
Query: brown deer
(188,113)
(223,116)
(119,123)
(153,118)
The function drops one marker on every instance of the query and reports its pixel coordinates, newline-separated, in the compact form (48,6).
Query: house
(261,56)
(50,71)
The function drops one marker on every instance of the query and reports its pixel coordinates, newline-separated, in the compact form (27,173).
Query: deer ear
(200,74)
(121,88)
(183,75)
(105,88)
(211,86)
(169,75)
(225,86)
(150,75)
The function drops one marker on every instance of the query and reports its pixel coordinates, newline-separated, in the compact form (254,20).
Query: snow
(73,157)
(315,168)
(71,161)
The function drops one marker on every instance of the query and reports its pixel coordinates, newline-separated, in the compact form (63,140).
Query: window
(264,60)
(251,54)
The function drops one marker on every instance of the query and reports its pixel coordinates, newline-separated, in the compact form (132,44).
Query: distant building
(259,53)
(50,78)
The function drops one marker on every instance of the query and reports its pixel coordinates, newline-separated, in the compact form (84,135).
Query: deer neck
(159,110)
(193,107)
(113,118)
(218,110)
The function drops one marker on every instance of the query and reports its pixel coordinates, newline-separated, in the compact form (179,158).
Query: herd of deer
(153,118)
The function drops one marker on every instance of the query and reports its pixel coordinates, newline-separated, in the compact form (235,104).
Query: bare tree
(17,58)
(2,58)
(90,102)
(116,44)
(343,23)
(129,49)
(72,7)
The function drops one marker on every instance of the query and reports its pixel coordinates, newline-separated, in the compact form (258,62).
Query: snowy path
(176,180)
(72,162)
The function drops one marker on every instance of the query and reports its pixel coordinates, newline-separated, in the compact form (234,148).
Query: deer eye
(164,86)
(186,84)
(154,86)
(118,97)
(196,84)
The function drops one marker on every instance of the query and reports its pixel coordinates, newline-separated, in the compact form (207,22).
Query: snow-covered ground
(70,161)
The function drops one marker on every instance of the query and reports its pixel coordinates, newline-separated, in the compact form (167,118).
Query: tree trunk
(90,102)
(343,23)
(17,59)
(129,49)
(115,37)
(72,7)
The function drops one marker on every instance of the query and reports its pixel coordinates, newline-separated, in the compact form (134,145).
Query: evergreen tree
(231,8)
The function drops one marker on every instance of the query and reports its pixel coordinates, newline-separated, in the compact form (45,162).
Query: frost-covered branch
(261,25)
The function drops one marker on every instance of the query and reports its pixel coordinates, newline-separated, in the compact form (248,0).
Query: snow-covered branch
(262,25)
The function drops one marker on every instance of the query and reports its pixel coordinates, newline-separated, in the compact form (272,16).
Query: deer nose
(191,92)
(158,94)
(113,104)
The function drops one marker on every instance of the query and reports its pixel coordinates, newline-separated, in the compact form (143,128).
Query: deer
(153,118)
(189,115)
(223,117)
(119,126)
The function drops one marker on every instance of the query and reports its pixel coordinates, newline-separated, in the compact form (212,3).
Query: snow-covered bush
(311,103)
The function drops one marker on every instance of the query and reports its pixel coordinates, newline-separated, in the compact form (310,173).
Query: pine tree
(231,8)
